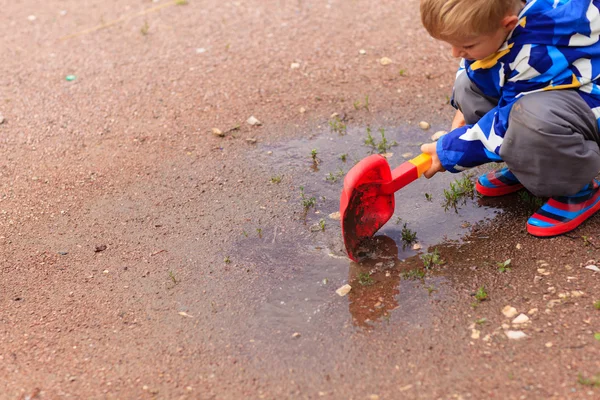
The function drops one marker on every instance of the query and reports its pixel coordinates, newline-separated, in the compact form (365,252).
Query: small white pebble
(424,125)
(521,319)
(515,335)
(344,290)
(509,312)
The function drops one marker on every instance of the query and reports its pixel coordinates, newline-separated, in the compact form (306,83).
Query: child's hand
(436,166)
(458,121)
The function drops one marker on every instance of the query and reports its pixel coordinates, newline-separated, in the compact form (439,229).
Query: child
(528,94)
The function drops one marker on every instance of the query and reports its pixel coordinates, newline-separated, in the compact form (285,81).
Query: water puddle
(389,289)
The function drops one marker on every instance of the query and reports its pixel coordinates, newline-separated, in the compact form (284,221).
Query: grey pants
(551,144)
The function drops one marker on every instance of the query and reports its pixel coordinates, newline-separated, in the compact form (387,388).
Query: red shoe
(498,183)
(563,214)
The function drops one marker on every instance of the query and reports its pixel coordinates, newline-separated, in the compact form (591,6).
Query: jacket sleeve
(473,145)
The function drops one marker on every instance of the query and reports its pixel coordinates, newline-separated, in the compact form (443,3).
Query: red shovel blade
(367,200)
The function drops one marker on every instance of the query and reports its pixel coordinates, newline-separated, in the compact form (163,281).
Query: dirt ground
(143,256)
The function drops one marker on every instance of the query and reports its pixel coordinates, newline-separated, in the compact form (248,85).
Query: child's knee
(463,91)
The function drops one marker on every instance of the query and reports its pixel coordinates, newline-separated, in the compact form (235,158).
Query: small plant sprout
(313,156)
(597,305)
(181,2)
(307,203)
(408,236)
(430,289)
(481,321)
(432,259)
(593,382)
(384,146)
(369,141)
(358,104)
(597,336)
(364,278)
(322,224)
(413,274)
(481,294)
(398,221)
(331,177)
(172,276)
(259,231)
(276,178)
(459,190)
(428,197)
(227,260)
(503,266)
(145,28)
(402,72)
(337,125)
(245,233)
(343,157)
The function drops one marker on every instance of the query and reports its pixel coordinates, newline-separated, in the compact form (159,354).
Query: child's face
(478,47)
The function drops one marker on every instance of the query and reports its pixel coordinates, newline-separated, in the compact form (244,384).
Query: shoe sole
(498,191)
(561,228)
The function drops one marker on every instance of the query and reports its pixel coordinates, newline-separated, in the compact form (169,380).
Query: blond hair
(451,19)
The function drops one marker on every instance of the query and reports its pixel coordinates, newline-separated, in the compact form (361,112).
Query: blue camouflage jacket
(555,46)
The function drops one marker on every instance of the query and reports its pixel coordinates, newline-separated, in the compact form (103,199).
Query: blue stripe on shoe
(541,224)
(562,215)
(484,181)
(504,175)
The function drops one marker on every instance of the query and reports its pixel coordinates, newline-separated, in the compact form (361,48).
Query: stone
(217,132)
(344,290)
(521,319)
(295,65)
(336,216)
(362,52)
(296,335)
(253,121)
(515,335)
(385,61)
(475,334)
(424,125)
(509,312)
(593,268)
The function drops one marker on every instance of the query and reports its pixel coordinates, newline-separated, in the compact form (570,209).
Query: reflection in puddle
(315,264)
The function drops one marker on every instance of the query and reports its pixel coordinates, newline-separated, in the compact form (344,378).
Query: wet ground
(145,257)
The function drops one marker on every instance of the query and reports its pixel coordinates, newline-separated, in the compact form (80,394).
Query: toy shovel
(367,201)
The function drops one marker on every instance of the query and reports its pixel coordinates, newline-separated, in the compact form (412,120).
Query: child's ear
(509,22)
